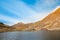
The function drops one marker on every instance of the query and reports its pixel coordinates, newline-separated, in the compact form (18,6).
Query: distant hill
(19,26)
(23,27)
(4,28)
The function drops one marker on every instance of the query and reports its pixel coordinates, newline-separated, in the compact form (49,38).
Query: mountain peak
(57,9)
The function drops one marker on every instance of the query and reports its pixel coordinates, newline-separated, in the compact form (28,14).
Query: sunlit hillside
(52,21)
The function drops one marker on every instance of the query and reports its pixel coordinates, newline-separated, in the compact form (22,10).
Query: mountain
(52,21)
(23,27)
(19,26)
(4,28)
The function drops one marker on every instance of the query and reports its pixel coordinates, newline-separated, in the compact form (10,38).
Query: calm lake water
(41,35)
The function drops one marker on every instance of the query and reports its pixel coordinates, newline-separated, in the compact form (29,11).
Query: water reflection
(22,36)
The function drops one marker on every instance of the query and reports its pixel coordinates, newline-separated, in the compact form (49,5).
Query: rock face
(52,21)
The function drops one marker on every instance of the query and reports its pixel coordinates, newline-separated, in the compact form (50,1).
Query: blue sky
(26,11)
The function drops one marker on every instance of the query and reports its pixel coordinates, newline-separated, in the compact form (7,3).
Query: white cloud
(22,10)
(9,19)
(50,2)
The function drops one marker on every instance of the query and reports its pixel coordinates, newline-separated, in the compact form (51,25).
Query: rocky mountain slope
(52,21)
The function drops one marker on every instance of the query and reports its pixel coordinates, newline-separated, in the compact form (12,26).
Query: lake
(41,35)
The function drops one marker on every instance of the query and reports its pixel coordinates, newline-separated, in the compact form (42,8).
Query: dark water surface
(41,35)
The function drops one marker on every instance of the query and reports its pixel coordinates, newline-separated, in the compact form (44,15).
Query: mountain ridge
(50,22)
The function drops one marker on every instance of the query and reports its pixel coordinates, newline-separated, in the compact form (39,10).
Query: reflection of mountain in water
(51,22)
(23,36)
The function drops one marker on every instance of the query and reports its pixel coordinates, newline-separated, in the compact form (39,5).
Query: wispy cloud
(22,10)
(51,2)
(9,19)
(45,5)
(25,12)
